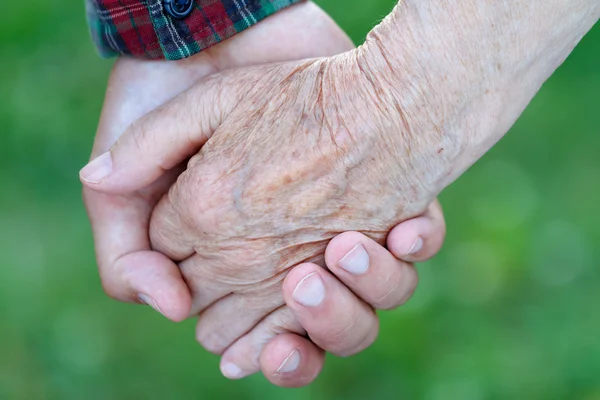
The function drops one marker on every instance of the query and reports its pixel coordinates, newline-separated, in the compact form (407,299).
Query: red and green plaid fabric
(142,28)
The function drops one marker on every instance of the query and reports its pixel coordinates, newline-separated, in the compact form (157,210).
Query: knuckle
(387,300)
(286,322)
(389,295)
(210,339)
(365,341)
(110,287)
(409,285)
(342,337)
(201,199)
(180,195)
(396,289)
(115,281)
(139,132)
(341,331)
(163,229)
(163,236)
(355,338)
(170,230)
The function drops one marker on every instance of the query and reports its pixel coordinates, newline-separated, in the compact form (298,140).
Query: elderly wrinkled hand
(295,158)
(129,268)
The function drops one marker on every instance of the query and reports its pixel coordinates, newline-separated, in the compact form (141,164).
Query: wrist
(360,97)
(411,111)
(462,73)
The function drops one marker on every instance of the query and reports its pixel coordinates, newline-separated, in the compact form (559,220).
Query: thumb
(161,139)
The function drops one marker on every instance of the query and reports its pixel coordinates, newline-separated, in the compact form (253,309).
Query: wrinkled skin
(253,203)
(120,222)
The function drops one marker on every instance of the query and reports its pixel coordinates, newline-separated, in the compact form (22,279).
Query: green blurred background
(509,309)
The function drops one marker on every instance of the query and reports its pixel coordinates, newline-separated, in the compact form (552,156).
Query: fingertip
(176,305)
(297,274)
(103,174)
(404,237)
(291,361)
(418,239)
(341,245)
(96,171)
(372,272)
(242,358)
(231,371)
(151,278)
(172,299)
(334,318)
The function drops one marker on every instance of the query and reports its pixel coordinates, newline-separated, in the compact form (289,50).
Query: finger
(421,238)
(291,361)
(205,284)
(184,215)
(370,271)
(211,279)
(169,233)
(128,270)
(242,358)
(335,319)
(221,324)
(161,139)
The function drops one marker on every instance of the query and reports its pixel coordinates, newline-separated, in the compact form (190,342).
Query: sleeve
(171,29)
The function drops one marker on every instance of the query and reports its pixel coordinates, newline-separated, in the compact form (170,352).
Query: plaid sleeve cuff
(143,28)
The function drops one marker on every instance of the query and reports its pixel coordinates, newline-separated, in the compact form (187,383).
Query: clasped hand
(283,159)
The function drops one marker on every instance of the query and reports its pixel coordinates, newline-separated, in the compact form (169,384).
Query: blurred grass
(507,310)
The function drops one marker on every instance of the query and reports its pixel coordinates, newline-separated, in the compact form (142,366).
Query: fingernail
(356,261)
(310,291)
(417,245)
(290,363)
(150,301)
(232,371)
(98,169)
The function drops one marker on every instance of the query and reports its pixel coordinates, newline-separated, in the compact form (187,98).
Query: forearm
(461,72)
